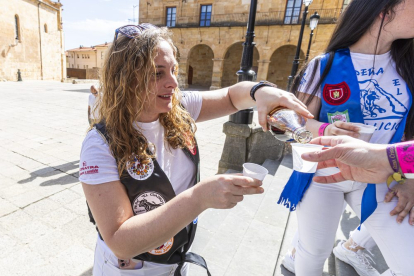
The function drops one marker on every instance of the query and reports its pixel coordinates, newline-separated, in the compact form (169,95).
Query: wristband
(392,158)
(396,177)
(259,85)
(405,154)
(321,130)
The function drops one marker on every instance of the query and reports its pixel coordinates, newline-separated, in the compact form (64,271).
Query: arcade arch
(200,66)
(280,65)
(232,61)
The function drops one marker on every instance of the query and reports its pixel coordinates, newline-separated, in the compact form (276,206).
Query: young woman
(140,164)
(365,76)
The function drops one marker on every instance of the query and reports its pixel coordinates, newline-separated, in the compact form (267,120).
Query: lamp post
(314,19)
(246,73)
(296,60)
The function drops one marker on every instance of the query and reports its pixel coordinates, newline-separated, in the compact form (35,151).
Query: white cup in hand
(254,171)
(365,131)
(301,165)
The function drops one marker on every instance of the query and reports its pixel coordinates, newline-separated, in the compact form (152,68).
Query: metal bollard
(19,75)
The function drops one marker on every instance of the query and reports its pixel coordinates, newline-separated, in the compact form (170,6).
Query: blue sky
(92,22)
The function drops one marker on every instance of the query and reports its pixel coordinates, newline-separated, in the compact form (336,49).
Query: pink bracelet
(405,153)
(321,130)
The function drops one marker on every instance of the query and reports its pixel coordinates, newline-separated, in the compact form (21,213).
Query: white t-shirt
(91,104)
(384,95)
(97,165)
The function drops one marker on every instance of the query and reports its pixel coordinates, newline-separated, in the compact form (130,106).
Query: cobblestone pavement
(44,229)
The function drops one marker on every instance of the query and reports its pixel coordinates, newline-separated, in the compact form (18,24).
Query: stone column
(263,69)
(217,73)
(183,73)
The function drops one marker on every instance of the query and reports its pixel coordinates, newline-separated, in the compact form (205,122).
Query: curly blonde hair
(126,76)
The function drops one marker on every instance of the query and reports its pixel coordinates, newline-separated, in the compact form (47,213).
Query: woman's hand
(225,191)
(342,128)
(405,194)
(267,98)
(357,160)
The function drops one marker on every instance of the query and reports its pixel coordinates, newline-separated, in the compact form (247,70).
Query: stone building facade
(85,62)
(209,35)
(31,40)
(87,57)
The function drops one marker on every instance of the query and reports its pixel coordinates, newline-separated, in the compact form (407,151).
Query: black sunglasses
(133,31)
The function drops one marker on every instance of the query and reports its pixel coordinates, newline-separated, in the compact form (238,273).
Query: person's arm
(356,160)
(336,129)
(89,112)
(128,235)
(364,162)
(229,100)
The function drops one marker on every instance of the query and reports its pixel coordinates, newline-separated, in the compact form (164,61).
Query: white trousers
(318,217)
(106,264)
(362,238)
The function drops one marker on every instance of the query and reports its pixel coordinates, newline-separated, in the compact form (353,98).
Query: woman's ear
(385,14)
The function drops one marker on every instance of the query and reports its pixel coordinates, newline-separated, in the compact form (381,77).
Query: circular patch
(147,201)
(163,248)
(336,94)
(140,171)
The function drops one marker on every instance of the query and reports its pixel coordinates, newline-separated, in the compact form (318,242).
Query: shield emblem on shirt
(336,94)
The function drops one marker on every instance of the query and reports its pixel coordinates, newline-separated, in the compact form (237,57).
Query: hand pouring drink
(286,124)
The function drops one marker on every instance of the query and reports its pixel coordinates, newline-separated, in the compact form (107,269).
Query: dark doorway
(190,75)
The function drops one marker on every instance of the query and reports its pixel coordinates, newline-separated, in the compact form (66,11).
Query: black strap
(193,258)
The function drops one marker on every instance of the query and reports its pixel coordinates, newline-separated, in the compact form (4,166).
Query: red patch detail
(336,94)
(193,150)
(88,169)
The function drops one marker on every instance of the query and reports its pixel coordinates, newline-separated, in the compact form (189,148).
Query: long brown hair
(355,21)
(126,76)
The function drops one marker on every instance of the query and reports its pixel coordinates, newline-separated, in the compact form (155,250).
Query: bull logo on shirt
(372,94)
(148,206)
(147,201)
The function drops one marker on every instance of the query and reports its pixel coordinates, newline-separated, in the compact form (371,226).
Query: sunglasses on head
(133,31)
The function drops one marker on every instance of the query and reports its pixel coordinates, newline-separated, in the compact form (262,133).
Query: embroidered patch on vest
(140,171)
(147,201)
(338,116)
(163,248)
(336,94)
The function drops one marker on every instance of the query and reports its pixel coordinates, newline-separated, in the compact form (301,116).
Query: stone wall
(83,73)
(38,52)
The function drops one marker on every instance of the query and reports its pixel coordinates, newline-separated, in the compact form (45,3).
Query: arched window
(17,27)
(45,26)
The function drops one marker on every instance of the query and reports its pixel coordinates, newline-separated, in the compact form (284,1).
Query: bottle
(286,124)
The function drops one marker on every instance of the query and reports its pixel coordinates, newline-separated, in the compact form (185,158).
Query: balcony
(328,16)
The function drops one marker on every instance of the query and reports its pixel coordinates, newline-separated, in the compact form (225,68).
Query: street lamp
(302,28)
(246,73)
(312,25)
(133,14)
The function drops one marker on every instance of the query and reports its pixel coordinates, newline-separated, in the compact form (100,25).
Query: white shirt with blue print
(384,95)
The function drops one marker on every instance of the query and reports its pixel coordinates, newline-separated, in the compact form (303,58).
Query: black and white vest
(148,187)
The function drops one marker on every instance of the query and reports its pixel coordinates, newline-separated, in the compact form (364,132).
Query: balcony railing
(328,16)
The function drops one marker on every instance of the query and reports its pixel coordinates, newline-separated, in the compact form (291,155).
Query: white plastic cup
(254,171)
(301,165)
(365,131)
